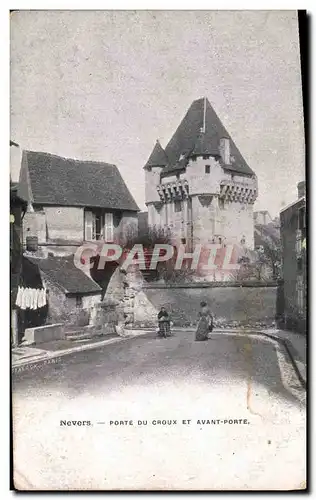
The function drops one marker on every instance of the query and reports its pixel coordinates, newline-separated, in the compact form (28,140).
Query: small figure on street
(164,323)
(205,324)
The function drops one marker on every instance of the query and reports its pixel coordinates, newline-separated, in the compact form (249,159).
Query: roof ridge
(68,158)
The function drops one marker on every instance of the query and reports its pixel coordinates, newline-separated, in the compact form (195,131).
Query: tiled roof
(188,137)
(158,157)
(56,180)
(63,273)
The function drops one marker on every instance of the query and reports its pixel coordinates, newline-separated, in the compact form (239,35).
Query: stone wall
(63,308)
(210,212)
(231,305)
(105,317)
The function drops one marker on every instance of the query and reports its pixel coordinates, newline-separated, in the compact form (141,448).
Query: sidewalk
(47,352)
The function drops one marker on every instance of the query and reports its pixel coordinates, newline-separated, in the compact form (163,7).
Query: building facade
(294,286)
(71,202)
(200,188)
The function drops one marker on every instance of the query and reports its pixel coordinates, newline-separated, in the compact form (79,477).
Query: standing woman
(205,324)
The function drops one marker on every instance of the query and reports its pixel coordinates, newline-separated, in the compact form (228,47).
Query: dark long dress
(202,330)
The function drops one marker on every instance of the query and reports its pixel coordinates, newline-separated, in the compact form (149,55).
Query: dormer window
(225,150)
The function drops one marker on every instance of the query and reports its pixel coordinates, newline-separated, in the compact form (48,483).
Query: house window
(302,222)
(177,206)
(207,169)
(108,227)
(78,301)
(301,218)
(98,225)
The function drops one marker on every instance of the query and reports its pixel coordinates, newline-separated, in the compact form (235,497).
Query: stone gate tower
(200,188)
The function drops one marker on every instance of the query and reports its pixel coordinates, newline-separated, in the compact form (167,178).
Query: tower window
(221,203)
(207,169)
(78,301)
(177,206)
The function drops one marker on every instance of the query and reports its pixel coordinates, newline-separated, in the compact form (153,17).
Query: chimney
(224,148)
(301,189)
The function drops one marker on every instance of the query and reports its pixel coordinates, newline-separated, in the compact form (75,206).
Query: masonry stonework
(200,189)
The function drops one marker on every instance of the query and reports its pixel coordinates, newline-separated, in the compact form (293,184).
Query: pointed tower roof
(200,132)
(158,157)
(201,147)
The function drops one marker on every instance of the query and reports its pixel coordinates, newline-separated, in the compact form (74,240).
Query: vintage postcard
(158,251)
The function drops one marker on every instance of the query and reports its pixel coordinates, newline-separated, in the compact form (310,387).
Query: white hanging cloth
(18,301)
(31,298)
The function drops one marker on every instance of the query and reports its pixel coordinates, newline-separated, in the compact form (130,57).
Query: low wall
(231,305)
(46,333)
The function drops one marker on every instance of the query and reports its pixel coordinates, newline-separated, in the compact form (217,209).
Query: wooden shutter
(88,225)
(108,227)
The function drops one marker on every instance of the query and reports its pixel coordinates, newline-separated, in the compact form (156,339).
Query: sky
(104,85)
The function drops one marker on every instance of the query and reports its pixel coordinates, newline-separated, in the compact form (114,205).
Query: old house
(72,202)
(72,294)
(292,306)
(200,188)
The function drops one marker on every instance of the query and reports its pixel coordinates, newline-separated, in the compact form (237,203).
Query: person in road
(164,323)
(205,323)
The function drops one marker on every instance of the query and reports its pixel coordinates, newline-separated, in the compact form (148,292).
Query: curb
(48,357)
(290,351)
